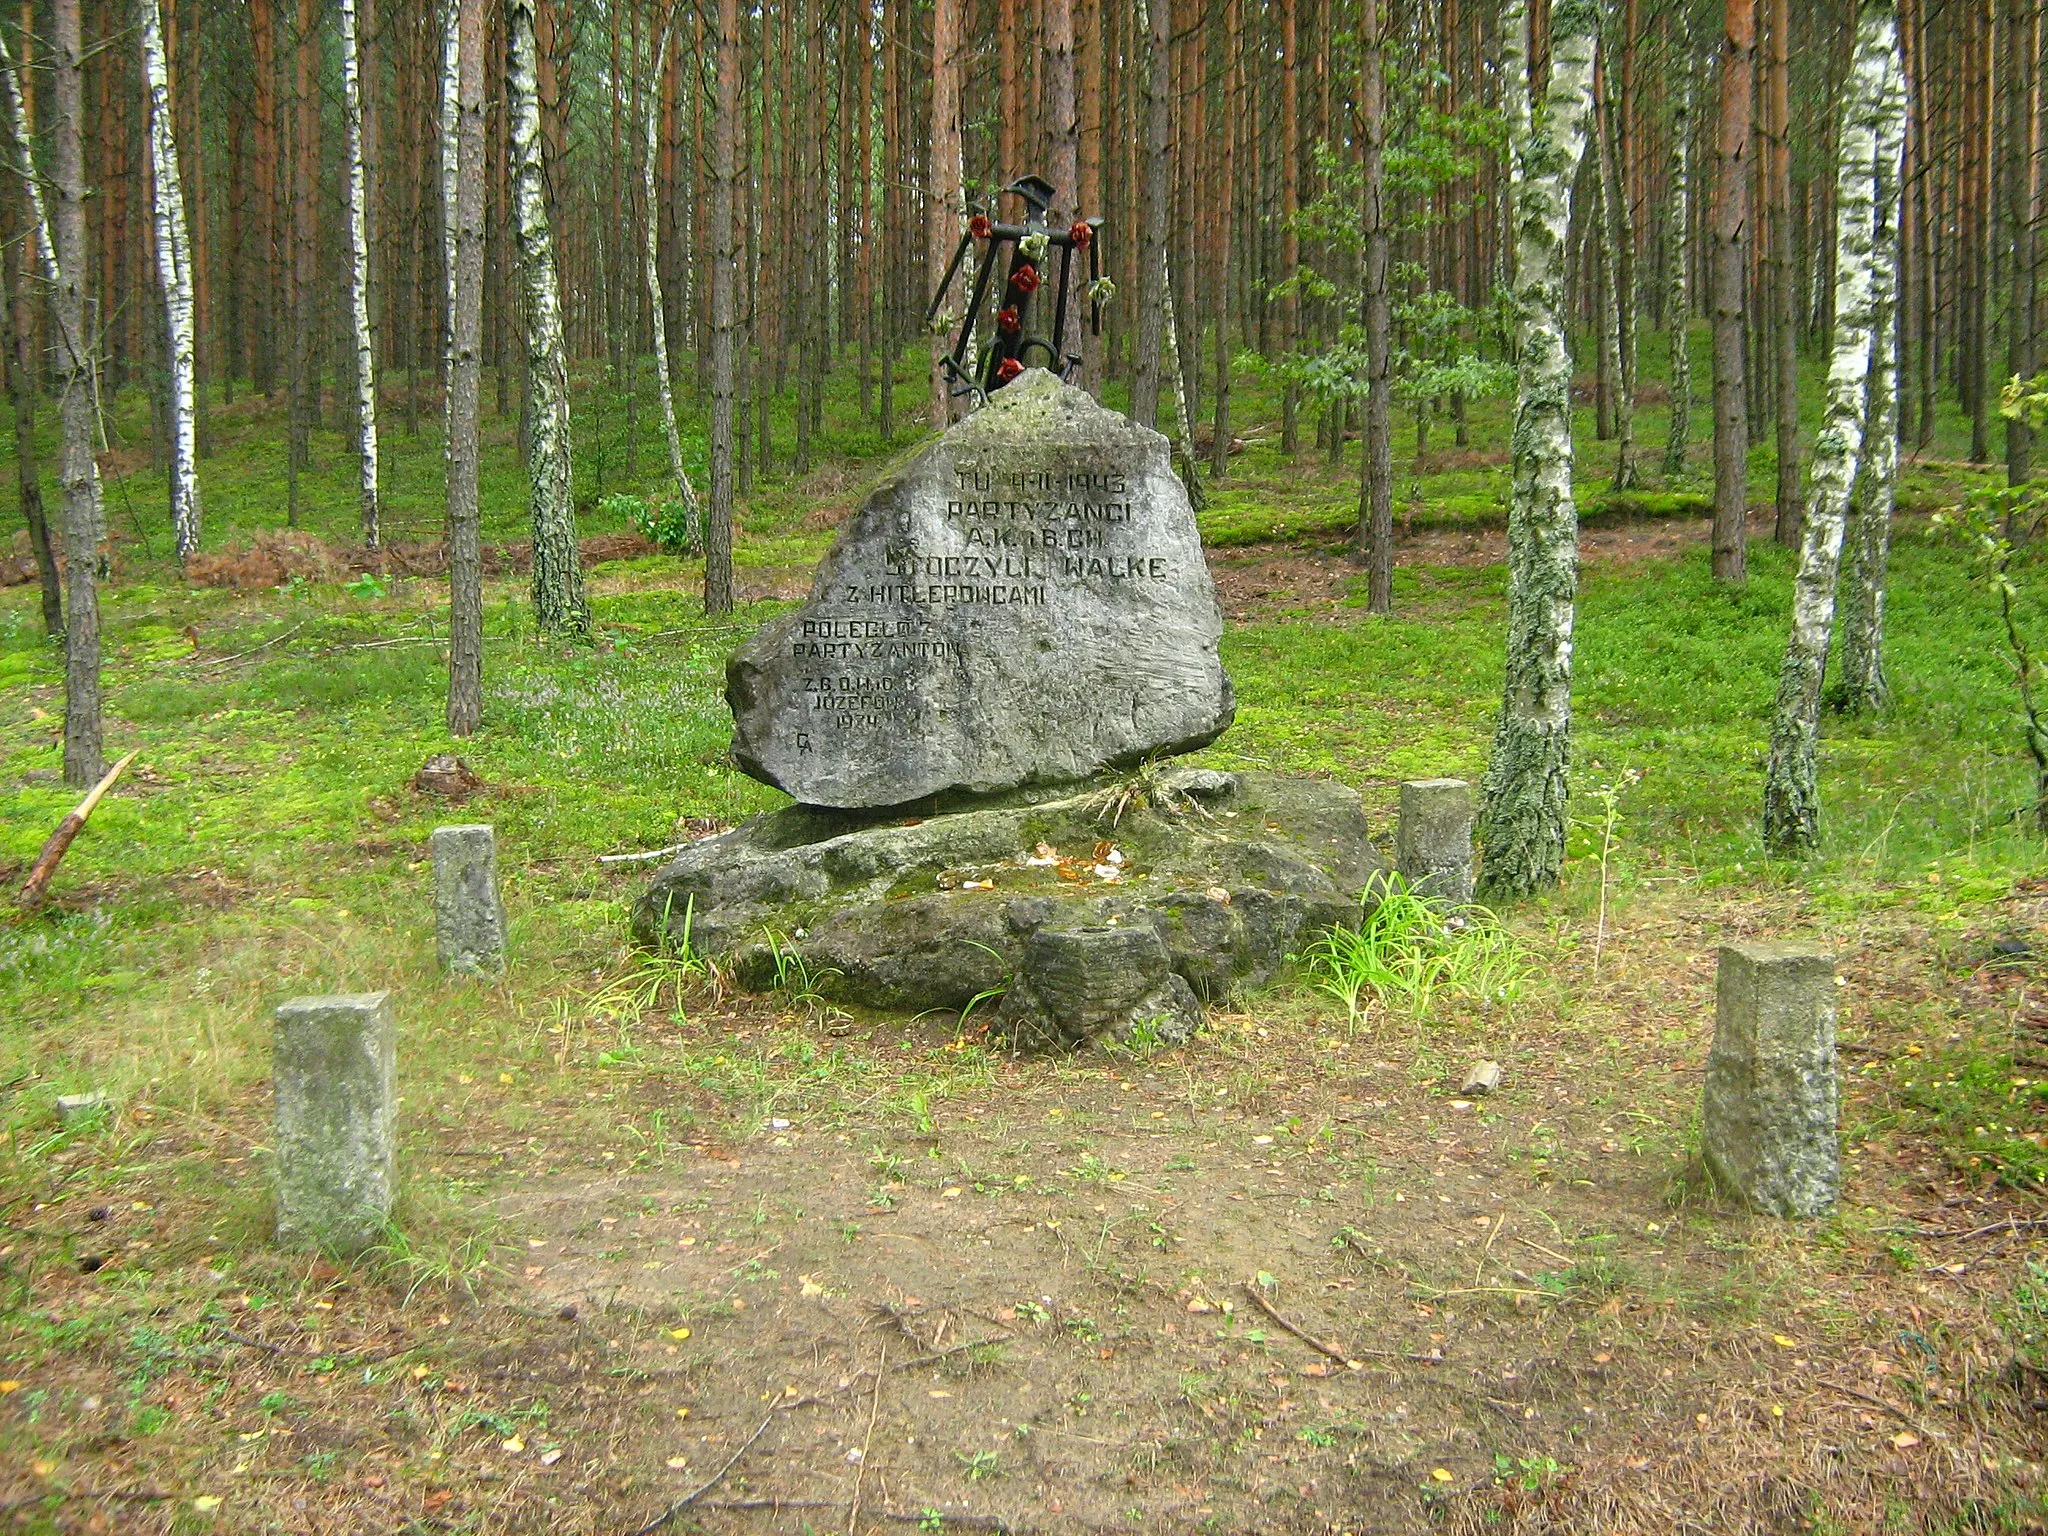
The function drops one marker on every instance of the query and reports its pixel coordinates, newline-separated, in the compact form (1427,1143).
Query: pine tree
(462,204)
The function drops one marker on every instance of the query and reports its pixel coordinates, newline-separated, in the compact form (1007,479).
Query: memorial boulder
(1026,603)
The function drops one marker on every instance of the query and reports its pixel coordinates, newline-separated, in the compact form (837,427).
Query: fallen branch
(222,661)
(1895,1411)
(60,840)
(709,1483)
(901,1516)
(641,858)
(867,1443)
(1332,1350)
(2008,1224)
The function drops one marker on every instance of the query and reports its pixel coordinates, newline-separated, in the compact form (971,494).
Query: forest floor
(856,1274)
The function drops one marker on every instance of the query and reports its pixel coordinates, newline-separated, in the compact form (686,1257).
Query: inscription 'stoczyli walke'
(1027,603)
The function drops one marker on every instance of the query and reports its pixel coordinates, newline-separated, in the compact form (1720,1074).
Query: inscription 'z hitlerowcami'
(1026,603)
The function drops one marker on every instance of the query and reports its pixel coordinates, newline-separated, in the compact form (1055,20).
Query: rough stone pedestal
(335,1078)
(469,919)
(1106,978)
(1433,847)
(1771,1093)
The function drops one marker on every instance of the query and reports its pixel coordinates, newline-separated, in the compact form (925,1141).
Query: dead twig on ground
(1332,1350)
(709,1483)
(641,858)
(860,1474)
(1893,1409)
(45,866)
(1964,1234)
(222,661)
(900,1516)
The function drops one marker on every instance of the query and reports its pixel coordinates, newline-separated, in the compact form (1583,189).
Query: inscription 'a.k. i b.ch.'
(1063,548)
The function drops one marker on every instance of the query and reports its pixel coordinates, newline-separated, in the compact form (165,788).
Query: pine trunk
(1784,301)
(1522,823)
(1791,780)
(1373,539)
(943,183)
(359,274)
(558,599)
(657,309)
(718,595)
(462,183)
(1157,168)
(1731,253)
(174,275)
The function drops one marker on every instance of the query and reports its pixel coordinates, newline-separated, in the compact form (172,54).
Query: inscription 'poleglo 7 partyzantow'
(1027,601)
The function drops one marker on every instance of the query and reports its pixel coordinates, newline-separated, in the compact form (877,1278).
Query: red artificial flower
(1008,320)
(1025,279)
(1008,368)
(1082,234)
(979,227)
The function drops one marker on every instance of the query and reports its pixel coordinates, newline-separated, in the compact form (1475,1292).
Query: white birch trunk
(1522,822)
(62,245)
(652,263)
(1679,231)
(558,600)
(1865,688)
(1791,781)
(174,272)
(359,269)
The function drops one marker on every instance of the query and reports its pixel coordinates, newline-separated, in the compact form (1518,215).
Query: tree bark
(357,193)
(174,276)
(558,600)
(2020,151)
(657,310)
(1157,168)
(1865,688)
(462,184)
(1791,779)
(1290,208)
(718,594)
(943,184)
(1784,284)
(1522,821)
(1678,236)
(62,243)
(1063,114)
(1617,251)
(1372,541)
(1731,253)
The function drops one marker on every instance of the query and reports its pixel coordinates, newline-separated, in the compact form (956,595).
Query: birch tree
(1522,818)
(358,268)
(462,215)
(1678,235)
(725,271)
(174,273)
(1791,788)
(558,601)
(651,262)
(1865,688)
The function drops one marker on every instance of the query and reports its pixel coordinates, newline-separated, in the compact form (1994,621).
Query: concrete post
(469,919)
(1433,846)
(1771,1094)
(335,1076)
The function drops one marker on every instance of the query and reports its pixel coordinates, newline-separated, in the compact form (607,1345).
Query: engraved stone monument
(1026,604)
(969,712)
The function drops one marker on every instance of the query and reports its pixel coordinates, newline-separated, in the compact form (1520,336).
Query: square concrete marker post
(335,1075)
(1771,1093)
(469,919)
(1433,846)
